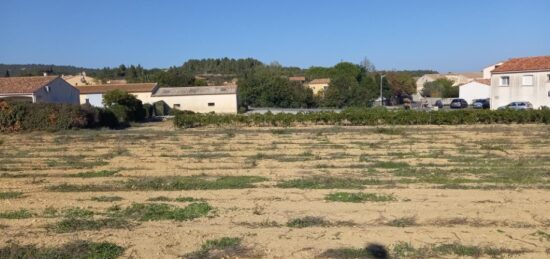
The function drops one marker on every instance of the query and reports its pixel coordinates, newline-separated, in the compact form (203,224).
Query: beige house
(319,85)
(201,99)
(93,94)
(521,80)
(79,80)
(38,89)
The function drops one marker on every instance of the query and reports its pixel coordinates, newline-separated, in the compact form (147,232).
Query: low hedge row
(365,116)
(20,116)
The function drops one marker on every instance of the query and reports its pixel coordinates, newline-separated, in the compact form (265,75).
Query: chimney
(45,73)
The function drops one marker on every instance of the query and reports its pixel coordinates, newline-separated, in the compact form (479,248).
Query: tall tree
(367,65)
(7,74)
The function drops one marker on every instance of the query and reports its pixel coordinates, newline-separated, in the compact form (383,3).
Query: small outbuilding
(477,89)
(201,99)
(38,89)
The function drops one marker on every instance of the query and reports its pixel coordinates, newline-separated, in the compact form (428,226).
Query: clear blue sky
(445,35)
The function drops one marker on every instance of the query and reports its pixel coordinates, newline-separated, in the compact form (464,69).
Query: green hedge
(364,116)
(21,116)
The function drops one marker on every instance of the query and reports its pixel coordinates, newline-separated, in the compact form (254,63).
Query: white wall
(474,90)
(223,103)
(59,92)
(537,94)
(95,100)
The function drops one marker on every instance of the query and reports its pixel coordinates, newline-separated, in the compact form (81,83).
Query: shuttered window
(527,80)
(504,81)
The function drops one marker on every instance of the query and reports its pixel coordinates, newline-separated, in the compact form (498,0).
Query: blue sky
(445,35)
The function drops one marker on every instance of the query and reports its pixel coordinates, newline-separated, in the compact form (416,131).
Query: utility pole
(381,96)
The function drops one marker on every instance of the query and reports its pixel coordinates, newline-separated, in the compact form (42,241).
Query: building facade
(39,89)
(93,94)
(318,85)
(477,89)
(521,80)
(201,99)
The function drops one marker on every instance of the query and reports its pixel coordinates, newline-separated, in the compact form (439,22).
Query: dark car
(481,104)
(439,104)
(459,104)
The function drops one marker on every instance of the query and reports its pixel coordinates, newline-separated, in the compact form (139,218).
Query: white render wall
(474,90)
(538,94)
(223,103)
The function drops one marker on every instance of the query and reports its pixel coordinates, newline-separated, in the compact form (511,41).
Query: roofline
(12,94)
(520,71)
(102,92)
(168,95)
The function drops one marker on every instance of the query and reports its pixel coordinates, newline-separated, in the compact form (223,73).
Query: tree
(367,65)
(266,87)
(7,74)
(125,106)
(121,71)
(401,83)
(442,88)
(340,91)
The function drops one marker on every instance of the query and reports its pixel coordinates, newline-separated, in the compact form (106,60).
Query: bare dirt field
(307,192)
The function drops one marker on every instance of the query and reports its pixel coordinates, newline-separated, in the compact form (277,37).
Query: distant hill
(39,69)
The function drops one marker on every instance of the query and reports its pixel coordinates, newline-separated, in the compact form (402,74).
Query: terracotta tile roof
(320,81)
(483,81)
(130,88)
(541,63)
(23,85)
(297,78)
(196,90)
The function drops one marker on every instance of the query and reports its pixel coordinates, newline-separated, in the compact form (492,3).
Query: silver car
(518,106)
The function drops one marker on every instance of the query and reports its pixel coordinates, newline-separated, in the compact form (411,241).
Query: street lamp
(381,97)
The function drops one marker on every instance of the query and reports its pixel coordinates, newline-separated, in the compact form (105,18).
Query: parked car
(518,106)
(439,104)
(459,104)
(481,104)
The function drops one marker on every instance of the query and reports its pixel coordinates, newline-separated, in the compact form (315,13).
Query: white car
(518,106)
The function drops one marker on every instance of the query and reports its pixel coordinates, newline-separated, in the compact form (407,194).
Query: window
(548,77)
(176,106)
(504,81)
(527,80)
(211,104)
(87,101)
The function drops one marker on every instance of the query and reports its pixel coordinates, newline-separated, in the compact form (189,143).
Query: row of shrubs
(22,116)
(365,116)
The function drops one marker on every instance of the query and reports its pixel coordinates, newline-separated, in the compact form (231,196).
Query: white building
(477,89)
(458,79)
(201,99)
(93,94)
(488,70)
(38,89)
(521,79)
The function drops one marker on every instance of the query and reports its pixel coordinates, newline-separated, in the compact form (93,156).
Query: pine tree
(7,73)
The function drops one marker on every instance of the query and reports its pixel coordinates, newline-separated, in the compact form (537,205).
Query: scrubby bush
(20,116)
(148,110)
(363,116)
(126,107)
(161,108)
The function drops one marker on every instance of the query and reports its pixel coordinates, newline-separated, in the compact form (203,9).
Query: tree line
(267,85)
